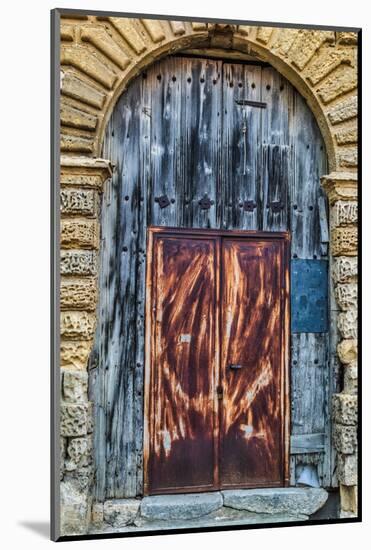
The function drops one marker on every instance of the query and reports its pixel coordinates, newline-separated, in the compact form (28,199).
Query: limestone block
(79,453)
(348,158)
(74,515)
(83,202)
(97,514)
(274,501)
(78,262)
(83,59)
(340,186)
(306,45)
(346,296)
(73,419)
(74,87)
(345,409)
(75,143)
(155,29)
(85,172)
(129,32)
(347,323)
(348,38)
(351,378)
(75,355)
(344,269)
(348,498)
(284,40)
(343,213)
(343,110)
(344,241)
(79,233)
(100,38)
(81,477)
(77,118)
(75,386)
(347,466)
(67,32)
(325,61)
(78,293)
(347,135)
(345,439)
(178,27)
(170,507)
(241,29)
(264,34)
(347,351)
(77,325)
(120,512)
(342,80)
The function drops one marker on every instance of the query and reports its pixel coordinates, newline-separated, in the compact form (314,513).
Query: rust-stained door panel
(181,447)
(251,435)
(216,382)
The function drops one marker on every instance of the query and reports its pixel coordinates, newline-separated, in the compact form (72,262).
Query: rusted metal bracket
(163,201)
(275,206)
(249,205)
(205,203)
(259,104)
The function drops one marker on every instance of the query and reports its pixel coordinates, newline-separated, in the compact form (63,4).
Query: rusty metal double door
(216,409)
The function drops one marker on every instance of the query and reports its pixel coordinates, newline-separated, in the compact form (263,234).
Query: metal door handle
(235,367)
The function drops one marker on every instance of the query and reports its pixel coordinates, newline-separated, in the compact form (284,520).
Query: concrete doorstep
(232,507)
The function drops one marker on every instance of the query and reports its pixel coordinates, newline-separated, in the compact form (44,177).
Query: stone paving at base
(223,509)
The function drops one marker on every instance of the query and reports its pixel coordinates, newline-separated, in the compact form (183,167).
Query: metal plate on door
(309,295)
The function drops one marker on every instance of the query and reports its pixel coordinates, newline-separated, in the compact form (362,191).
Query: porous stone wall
(342,193)
(99,57)
(81,183)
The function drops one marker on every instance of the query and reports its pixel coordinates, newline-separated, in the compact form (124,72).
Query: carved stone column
(81,183)
(342,192)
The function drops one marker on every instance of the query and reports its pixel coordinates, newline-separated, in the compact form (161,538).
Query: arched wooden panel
(204,144)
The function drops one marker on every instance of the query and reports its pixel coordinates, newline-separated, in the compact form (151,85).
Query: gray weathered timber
(179,132)
(241,157)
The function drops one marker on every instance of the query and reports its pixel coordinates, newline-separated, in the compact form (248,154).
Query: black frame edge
(64,12)
(54,278)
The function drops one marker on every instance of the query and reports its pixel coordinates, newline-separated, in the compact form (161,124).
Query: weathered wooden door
(209,144)
(217,352)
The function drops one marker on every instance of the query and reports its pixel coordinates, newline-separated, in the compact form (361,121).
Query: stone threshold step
(223,517)
(291,502)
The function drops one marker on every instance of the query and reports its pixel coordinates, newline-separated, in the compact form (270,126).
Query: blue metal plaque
(309,295)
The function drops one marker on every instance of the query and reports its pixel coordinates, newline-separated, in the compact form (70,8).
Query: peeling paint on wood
(231,424)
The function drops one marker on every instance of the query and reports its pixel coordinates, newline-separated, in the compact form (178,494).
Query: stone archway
(99,57)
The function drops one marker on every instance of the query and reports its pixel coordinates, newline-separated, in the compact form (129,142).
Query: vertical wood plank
(239,196)
(309,165)
(276,150)
(201,126)
(164,86)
